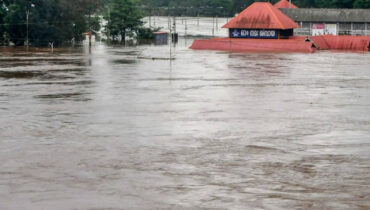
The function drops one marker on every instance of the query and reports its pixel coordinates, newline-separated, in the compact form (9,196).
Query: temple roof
(261,15)
(284,4)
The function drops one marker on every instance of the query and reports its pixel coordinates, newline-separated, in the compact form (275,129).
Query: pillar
(366,29)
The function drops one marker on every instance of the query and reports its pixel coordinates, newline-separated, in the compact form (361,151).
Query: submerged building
(319,21)
(315,21)
(261,21)
(264,28)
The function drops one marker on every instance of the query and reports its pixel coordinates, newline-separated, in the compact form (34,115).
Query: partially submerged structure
(260,27)
(161,38)
(261,20)
(324,21)
(319,21)
(263,27)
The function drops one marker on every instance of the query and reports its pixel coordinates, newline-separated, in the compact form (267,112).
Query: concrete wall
(348,21)
(328,15)
(341,28)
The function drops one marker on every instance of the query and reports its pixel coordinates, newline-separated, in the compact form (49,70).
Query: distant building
(261,21)
(314,21)
(161,38)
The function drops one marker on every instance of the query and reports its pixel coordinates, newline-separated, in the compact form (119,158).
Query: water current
(127,128)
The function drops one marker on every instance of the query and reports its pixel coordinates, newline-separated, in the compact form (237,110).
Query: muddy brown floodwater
(116,129)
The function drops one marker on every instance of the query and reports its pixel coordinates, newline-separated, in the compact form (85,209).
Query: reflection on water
(109,130)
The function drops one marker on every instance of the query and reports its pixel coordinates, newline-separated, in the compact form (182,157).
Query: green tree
(16,20)
(3,12)
(95,23)
(49,21)
(84,13)
(361,4)
(124,18)
(239,5)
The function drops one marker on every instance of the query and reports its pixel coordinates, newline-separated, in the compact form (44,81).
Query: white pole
(154,19)
(216,23)
(174,24)
(213,26)
(169,22)
(365,29)
(51,46)
(290,3)
(27,40)
(337,32)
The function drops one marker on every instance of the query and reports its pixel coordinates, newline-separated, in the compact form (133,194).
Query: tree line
(41,22)
(231,7)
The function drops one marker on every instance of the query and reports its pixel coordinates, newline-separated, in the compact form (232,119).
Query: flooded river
(126,128)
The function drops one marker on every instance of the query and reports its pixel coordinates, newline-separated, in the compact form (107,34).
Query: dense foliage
(64,21)
(124,18)
(49,21)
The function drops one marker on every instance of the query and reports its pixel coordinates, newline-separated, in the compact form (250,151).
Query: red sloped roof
(284,4)
(261,15)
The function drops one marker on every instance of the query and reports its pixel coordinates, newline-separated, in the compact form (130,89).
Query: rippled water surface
(126,128)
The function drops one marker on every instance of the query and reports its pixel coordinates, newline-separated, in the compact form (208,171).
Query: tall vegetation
(124,18)
(60,21)
(54,21)
(48,21)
